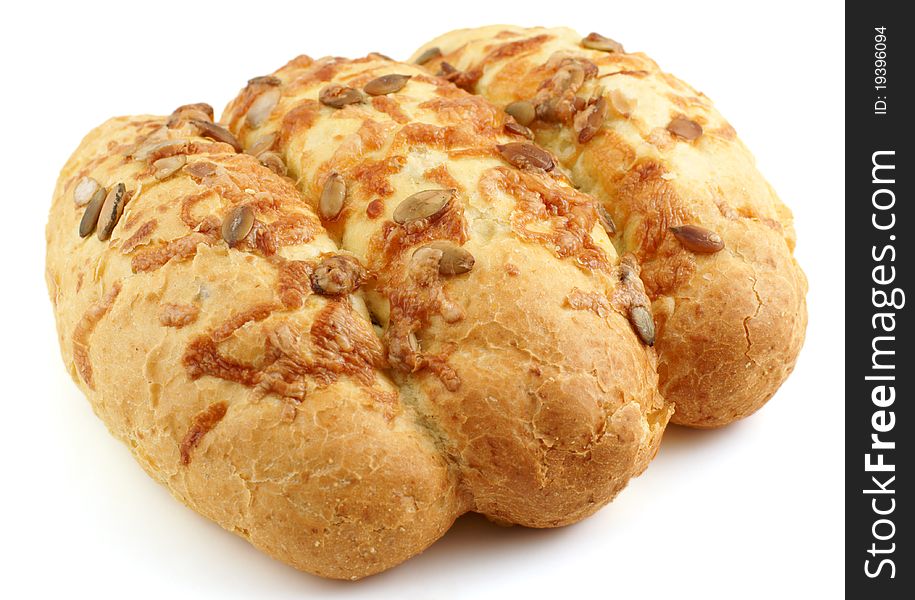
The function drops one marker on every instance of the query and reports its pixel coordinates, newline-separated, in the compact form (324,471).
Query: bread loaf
(338,392)
(714,241)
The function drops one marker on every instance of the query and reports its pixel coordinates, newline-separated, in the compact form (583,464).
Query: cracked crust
(729,325)
(294,438)
(546,411)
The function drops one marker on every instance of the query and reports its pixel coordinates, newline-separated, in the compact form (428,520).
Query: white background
(754,510)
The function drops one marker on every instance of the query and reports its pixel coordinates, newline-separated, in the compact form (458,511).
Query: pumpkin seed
(575,77)
(273,161)
(332,196)
(147,149)
(422,205)
(593,120)
(217,132)
(338,96)
(262,144)
(643,323)
(523,112)
(111,211)
(386,84)
(698,239)
(455,260)
(524,156)
(429,54)
(166,167)
(605,219)
(186,112)
(237,225)
(265,80)
(90,215)
(596,41)
(201,169)
(517,129)
(262,107)
(84,190)
(685,128)
(336,275)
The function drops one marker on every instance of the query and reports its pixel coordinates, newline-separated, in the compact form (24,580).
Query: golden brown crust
(256,401)
(220,334)
(546,411)
(730,323)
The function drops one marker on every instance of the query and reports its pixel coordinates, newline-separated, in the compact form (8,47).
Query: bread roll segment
(525,366)
(731,321)
(255,401)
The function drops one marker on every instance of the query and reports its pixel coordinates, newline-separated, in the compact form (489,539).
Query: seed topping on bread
(217,132)
(596,41)
(111,211)
(523,112)
(84,190)
(698,239)
(336,275)
(237,225)
(684,128)
(526,156)
(93,209)
(338,96)
(427,204)
(333,196)
(386,84)
(429,55)
(168,166)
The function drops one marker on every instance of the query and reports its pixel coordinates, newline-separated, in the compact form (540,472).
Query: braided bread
(713,240)
(454,333)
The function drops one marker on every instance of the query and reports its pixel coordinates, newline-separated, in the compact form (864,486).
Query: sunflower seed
(217,132)
(336,275)
(422,205)
(265,80)
(591,120)
(338,96)
(237,225)
(262,107)
(111,211)
(523,112)
(332,196)
(262,144)
(273,161)
(427,55)
(643,323)
(596,41)
(524,156)
(605,219)
(166,167)
(698,239)
(517,129)
(685,128)
(386,84)
(84,190)
(93,209)
(455,260)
